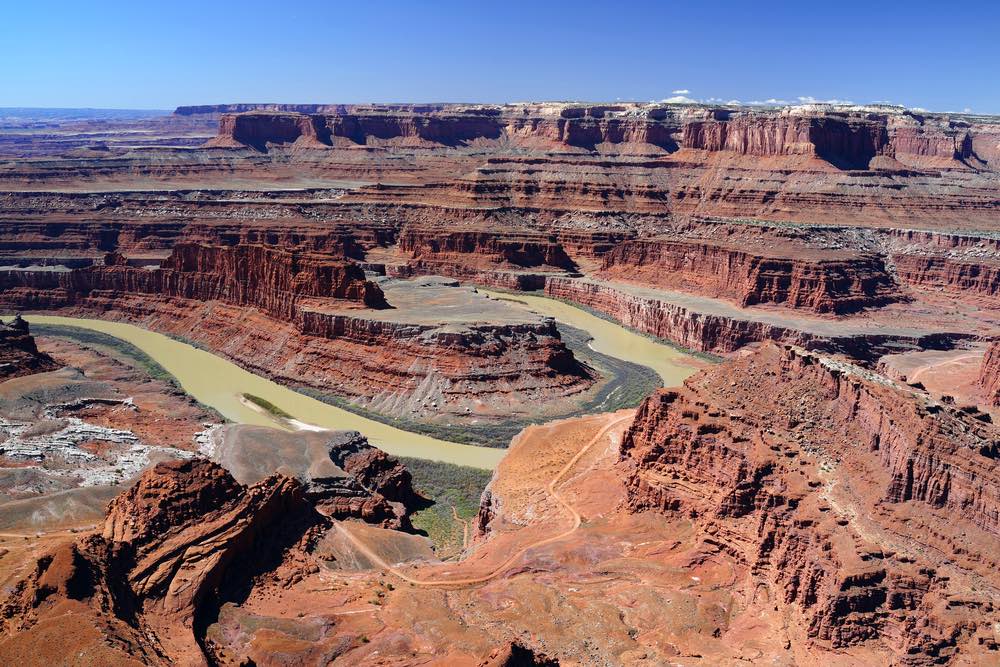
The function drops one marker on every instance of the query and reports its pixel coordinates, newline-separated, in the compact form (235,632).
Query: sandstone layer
(19,355)
(864,506)
(831,281)
(173,548)
(989,374)
(301,319)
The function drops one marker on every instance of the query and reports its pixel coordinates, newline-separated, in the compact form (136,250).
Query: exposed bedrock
(820,281)
(340,472)
(523,249)
(279,314)
(989,374)
(511,259)
(186,535)
(862,505)
(708,327)
(578,127)
(847,138)
(956,274)
(846,143)
(18,353)
(271,279)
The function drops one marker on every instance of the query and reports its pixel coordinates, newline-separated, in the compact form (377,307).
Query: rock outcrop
(172,546)
(510,259)
(844,137)
(989,374)
(821,281)
(719,327)
(341,474)
(269,279)
(846,142)
(862,505)
(959,275)
(298,319)
(19,355)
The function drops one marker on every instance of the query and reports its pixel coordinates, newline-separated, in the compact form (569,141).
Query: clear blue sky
(156,54)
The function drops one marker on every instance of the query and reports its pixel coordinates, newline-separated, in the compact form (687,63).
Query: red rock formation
(317,342)
(245,275)
(821,281)
(172,544)
(515,655)
(710,328)
(509,259)
(509,247)
(845,142)
(863,505)
(379,491)
(18,353)
(989,375)
(955,274)
(177,544)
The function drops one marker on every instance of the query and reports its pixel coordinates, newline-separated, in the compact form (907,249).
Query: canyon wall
(726,330)
(863,506)
(989,374)
(298,318)
(509,259)
(270,279)
(823,282)
(175,546)
(19,354)
(847,138)
(849,143)
(955,274)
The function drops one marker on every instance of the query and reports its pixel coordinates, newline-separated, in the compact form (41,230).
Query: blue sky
(153,54)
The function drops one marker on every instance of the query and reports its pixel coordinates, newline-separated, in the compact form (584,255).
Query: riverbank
(220,384)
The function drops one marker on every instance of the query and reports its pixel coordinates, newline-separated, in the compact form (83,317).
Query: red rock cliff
(863,506)
(845,142)
(18,353)
(821,281)
(484,249)
(270,279)
(989,374)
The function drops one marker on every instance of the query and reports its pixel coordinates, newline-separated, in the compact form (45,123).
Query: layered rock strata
(864,507)
(511,259)
(845,137)
(989,374)
(823,282)
(340,472)
(269,279)
(178,544)
(19,355)
(716,326)
(298,319)
(185,535)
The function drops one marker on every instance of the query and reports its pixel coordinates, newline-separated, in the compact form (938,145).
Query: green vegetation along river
(222,385)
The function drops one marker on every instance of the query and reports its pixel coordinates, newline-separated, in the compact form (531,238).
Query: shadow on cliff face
(184,540)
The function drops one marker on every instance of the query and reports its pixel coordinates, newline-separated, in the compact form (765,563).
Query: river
(220,384)
(614,340)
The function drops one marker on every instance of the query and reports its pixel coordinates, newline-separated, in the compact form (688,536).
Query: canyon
(824,490)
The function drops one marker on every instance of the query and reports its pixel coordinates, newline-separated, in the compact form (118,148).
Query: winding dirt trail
(472,581)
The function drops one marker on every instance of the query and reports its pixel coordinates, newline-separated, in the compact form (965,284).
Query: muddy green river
(220,384)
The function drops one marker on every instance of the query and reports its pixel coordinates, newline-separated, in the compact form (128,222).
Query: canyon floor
(658,383)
